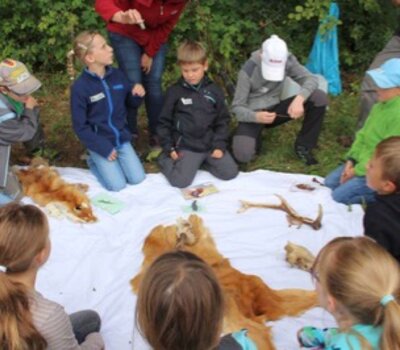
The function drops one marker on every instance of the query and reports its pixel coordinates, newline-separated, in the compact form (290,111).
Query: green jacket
(382,122)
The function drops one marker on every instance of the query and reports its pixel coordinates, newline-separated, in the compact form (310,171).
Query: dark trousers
(83,323)
(181,172)
(247,139)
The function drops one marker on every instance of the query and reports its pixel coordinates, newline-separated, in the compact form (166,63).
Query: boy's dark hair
(388,153)
(180,304)
(191,52)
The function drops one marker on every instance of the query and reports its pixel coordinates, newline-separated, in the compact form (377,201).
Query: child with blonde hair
(98,107)
(180,305)
(358,282)
(193,127)
(382,217)
(27,319)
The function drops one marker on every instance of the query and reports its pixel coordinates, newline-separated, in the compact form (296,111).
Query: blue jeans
(114,175)
(128,54)
(353,191)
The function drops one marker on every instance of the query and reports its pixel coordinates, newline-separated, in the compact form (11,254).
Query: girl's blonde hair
(358,273)
(180,304)
(191,52)
(23,234)
(81,47)
(388,153)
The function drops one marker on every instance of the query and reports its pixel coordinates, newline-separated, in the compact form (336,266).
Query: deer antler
(292,215)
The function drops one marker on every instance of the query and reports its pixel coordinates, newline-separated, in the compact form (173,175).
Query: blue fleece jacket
(98,108)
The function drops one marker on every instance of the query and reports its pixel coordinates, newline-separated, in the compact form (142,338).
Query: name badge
(97,97)
(186,101)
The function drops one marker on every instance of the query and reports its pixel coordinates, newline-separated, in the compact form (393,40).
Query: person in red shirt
(139,31)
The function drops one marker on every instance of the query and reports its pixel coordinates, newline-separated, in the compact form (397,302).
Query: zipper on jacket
(110,104)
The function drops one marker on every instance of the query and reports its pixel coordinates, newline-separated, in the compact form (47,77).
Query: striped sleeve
(54,324)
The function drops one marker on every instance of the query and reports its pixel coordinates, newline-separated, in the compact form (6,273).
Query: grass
(277,151)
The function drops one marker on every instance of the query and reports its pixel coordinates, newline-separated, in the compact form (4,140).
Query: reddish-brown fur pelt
(45,186)
(249,301)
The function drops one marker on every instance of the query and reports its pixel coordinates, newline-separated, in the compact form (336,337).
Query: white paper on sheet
(91,264)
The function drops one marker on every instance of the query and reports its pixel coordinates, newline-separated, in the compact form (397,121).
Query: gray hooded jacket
(254,93)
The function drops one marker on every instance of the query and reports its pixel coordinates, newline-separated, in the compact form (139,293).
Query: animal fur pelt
(299,256)
(45,186)
(249,301)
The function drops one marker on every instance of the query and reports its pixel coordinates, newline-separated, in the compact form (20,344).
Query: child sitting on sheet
(27,319)
(382,217)
(193,126)
(358,282)
(348,181)
(19,120)
(180,306)
(98,107)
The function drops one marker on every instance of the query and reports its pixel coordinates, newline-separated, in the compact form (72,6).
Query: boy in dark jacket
(382,217)
(194,123)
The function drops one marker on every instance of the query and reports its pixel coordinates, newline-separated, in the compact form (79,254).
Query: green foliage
(358,43)
(40,32)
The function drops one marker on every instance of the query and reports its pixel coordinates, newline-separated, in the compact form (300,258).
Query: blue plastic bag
(324,55)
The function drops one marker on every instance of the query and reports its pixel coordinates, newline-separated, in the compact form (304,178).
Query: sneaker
(305,155)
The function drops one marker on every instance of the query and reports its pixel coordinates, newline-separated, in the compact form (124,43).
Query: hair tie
(3,268)
(82,46)
(387,299)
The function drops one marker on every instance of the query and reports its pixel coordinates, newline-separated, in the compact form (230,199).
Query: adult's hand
(296,107)
(131,16)
(146,63)
(348,172)
(264,117)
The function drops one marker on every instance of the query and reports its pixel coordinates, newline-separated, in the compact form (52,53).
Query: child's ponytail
(23,235)
(391,325)
(70,64)
(81,46)
(16,327)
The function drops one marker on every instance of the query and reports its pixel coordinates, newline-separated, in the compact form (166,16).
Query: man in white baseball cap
(257,102)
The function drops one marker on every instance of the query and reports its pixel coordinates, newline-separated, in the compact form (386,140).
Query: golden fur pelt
(46,187)
(249,301)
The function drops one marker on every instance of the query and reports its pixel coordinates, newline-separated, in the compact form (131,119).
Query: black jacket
(194,118)
(382,222)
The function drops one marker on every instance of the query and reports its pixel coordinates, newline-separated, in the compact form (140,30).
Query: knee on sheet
(243,148)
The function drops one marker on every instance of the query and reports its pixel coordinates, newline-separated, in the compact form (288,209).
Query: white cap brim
(272,73)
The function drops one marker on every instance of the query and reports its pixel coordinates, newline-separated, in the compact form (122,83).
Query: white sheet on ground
(91,264)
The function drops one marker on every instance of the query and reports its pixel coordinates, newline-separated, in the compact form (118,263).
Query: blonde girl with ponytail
(99,99)
(28,321)
(358,282)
